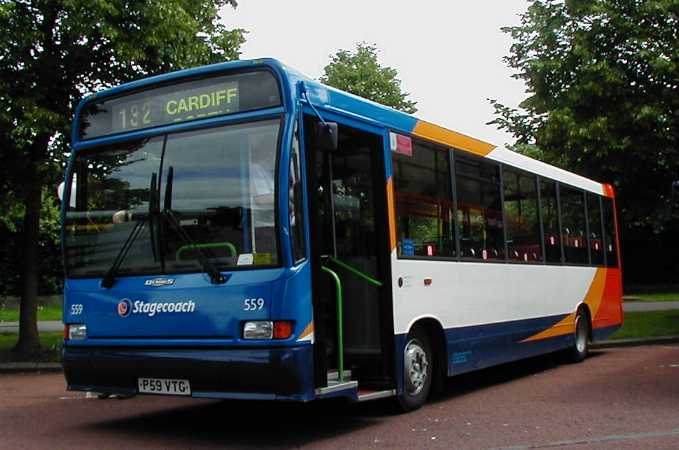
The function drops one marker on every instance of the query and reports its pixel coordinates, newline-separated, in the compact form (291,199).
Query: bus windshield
(222,192)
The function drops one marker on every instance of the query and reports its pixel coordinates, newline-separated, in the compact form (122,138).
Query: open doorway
(349,235)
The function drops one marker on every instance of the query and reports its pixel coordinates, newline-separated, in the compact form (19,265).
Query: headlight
(75,332)
(260,329)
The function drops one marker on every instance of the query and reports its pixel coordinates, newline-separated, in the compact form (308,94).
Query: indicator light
(282,329)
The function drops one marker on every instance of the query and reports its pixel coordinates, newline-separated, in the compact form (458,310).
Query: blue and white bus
(241,231)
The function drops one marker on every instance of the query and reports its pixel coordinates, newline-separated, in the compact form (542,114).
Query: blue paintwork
(236,373)
(601,334)
(480,346)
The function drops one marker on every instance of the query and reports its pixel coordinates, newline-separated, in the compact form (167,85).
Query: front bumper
(284,373)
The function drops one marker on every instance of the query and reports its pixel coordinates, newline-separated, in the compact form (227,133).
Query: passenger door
(349,223)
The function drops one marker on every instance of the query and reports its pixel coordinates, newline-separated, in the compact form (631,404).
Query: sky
(448,54)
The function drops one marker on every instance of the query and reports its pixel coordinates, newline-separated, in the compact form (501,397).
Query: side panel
(496,313)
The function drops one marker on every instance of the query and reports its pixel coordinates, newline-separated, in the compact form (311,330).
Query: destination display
(182,102)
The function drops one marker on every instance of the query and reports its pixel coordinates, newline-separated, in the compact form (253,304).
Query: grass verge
(51,344)
(649,324)
(49,312)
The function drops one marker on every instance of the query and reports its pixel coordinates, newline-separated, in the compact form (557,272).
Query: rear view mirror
(327,134)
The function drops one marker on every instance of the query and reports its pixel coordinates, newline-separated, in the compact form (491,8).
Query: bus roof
(337,101)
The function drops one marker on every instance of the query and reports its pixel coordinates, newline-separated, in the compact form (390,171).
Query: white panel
(464,293)
(531,165)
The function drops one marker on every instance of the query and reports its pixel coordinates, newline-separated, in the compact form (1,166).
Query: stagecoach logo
(127,307)
(124,307)
(156,282)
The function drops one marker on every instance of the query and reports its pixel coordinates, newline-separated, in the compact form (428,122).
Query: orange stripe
(567,324)
(451,138)
(391,211)
(307,331)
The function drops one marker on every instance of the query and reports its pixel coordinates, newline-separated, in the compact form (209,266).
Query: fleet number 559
(253,304)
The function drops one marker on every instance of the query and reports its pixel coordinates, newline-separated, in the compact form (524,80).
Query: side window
(573,228)
(479,209)
(550,220)
(424,208)
(596,242)
(295,210)
(521,216)
(609,233)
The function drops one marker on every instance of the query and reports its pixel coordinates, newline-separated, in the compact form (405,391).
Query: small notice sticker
(244,259)
(401,144)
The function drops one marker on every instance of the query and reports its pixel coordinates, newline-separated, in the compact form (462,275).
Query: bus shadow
(504,373)
(242,424)
(264,424)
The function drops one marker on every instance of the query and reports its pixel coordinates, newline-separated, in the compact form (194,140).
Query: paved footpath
(43,326)
(622,398)
(649,306)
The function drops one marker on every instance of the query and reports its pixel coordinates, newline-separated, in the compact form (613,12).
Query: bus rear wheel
(417,370)
(581,337)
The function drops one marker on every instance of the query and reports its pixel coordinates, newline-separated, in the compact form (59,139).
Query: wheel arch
(437,338)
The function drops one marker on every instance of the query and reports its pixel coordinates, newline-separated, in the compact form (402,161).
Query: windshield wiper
(209,268)
(109,277)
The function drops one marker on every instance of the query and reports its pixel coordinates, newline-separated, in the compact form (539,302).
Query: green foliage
(603,77)
(11,229)
(52,53)
(360,73)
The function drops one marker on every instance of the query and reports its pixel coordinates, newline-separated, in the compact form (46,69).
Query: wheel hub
(416,367)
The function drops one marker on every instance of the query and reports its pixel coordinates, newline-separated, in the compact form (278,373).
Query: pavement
(621,398)
(44,326)
(629,306)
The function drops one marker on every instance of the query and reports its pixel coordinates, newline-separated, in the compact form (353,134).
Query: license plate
(163,386)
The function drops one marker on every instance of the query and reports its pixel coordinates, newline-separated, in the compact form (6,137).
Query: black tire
(580,348)
(418,366)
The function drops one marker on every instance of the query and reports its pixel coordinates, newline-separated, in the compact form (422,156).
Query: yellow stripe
(391,211)
(451,138)
(567,324)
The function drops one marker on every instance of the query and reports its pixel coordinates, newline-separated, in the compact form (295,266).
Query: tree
(360,73)
(603,79)
(52,52)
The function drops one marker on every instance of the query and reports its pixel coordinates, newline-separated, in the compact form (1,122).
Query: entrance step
(333,376)
(337,389)
(365,394)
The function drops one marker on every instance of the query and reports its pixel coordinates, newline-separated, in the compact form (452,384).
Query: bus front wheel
(417,370)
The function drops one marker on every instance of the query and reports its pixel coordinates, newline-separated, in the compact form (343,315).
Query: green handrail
(356,272)
(228,245)
(340,320)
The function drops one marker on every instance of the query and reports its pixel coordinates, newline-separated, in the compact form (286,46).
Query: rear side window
(573,235)
(424,207)
(609,233)
(521,216)
(479,208)
(550,220)
(596,241)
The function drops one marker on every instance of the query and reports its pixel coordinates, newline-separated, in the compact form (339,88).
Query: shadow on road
(282,424)
(481,379)
(251,423)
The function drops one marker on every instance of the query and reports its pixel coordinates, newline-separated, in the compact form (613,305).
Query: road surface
(622,398)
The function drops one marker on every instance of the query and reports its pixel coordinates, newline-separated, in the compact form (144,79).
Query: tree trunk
(29,342)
